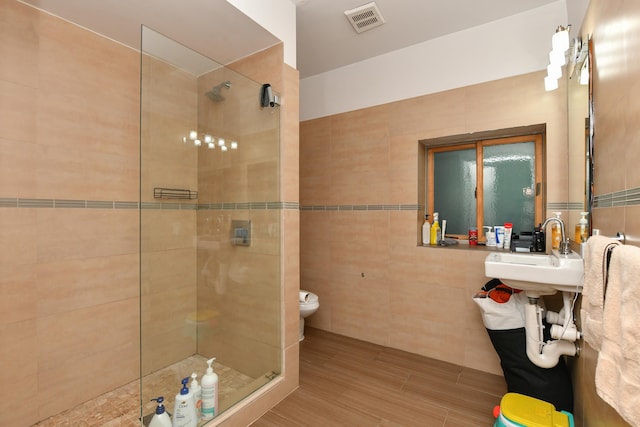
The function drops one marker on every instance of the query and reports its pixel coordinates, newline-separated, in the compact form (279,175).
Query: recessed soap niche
(240,232)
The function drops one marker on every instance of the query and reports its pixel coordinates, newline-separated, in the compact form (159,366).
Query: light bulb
(197,143)
(211,145)
(193,135)
(560,40)
(550,84)
(208,139)
(224,148)
(221,142)
(557,57)
(234,145)
(554,71)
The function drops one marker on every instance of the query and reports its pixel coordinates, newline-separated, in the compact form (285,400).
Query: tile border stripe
(16,202)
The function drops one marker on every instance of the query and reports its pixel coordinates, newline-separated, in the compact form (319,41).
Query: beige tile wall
(69,278)
(373,282)
(616,90)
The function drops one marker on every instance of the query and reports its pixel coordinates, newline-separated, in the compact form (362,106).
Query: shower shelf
(174,193)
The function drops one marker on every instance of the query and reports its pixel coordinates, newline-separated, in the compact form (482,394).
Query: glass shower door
(210,235)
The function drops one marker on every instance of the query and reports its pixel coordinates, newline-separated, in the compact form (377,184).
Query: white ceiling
(325,39)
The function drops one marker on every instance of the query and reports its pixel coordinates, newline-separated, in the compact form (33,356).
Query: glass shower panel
(210,229)
(509,185)
(455,183)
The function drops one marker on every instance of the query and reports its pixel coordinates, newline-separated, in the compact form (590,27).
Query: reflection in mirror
(579,134)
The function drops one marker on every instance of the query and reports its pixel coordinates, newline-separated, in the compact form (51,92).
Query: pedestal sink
(542,273)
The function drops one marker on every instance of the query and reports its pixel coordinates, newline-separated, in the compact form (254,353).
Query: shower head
(215,95)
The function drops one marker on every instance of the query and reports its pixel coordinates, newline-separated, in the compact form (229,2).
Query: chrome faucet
(564,242)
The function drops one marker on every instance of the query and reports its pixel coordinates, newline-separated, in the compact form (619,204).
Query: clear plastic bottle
(556,234)
(582,229)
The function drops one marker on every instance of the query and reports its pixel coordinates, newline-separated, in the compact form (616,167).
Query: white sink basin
(543,273)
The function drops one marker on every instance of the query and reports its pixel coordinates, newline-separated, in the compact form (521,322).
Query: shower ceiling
(223,32)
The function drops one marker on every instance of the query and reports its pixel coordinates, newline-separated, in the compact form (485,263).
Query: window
(507,188)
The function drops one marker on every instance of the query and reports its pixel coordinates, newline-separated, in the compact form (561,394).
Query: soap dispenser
(209,384)
(556,234)
(160,418)
(582,229)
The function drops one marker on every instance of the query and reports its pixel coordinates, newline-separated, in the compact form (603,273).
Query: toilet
(308,305)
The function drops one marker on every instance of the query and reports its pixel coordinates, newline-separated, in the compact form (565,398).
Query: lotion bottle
(196,389)
(184,410)
(426,231)
(436,232)
(160,418)
(209,384)
(556,235)
(582,229)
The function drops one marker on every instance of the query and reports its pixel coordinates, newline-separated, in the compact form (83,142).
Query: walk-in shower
(206,290)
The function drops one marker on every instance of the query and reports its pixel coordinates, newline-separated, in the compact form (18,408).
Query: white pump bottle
(184,410)
(209,384)
(160,418)
(196,389)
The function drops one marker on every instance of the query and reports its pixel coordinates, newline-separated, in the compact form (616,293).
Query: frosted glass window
(455,181)
(509,185)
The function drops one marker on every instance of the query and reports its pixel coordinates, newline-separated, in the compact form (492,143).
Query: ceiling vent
(365,17)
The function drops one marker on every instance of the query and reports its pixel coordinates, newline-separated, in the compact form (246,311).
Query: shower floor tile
(120,407)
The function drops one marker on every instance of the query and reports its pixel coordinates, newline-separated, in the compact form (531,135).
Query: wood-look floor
(346,382)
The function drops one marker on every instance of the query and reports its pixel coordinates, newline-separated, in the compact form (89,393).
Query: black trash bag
(552,385)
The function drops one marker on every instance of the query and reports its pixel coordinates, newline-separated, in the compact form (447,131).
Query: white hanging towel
(618,366)
(595,266)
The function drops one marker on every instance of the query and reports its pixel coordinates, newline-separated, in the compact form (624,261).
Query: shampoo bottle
(436,232)
(556,235)
(582,229)
(160,418)
(197,393)
(184,410)
(209,386)
(426,231)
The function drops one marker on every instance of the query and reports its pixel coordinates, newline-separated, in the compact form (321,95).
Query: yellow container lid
(532,412)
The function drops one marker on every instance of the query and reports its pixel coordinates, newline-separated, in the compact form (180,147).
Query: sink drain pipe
(541,353)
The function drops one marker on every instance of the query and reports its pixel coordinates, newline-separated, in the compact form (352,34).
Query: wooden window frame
(536,138)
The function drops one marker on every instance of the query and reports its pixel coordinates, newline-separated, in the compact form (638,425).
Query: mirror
(580,134)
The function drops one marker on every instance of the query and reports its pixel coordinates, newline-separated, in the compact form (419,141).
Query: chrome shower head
(215,95)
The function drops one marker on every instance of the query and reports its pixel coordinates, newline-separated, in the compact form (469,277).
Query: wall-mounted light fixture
(557,57)
(579,60)
(209,140)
